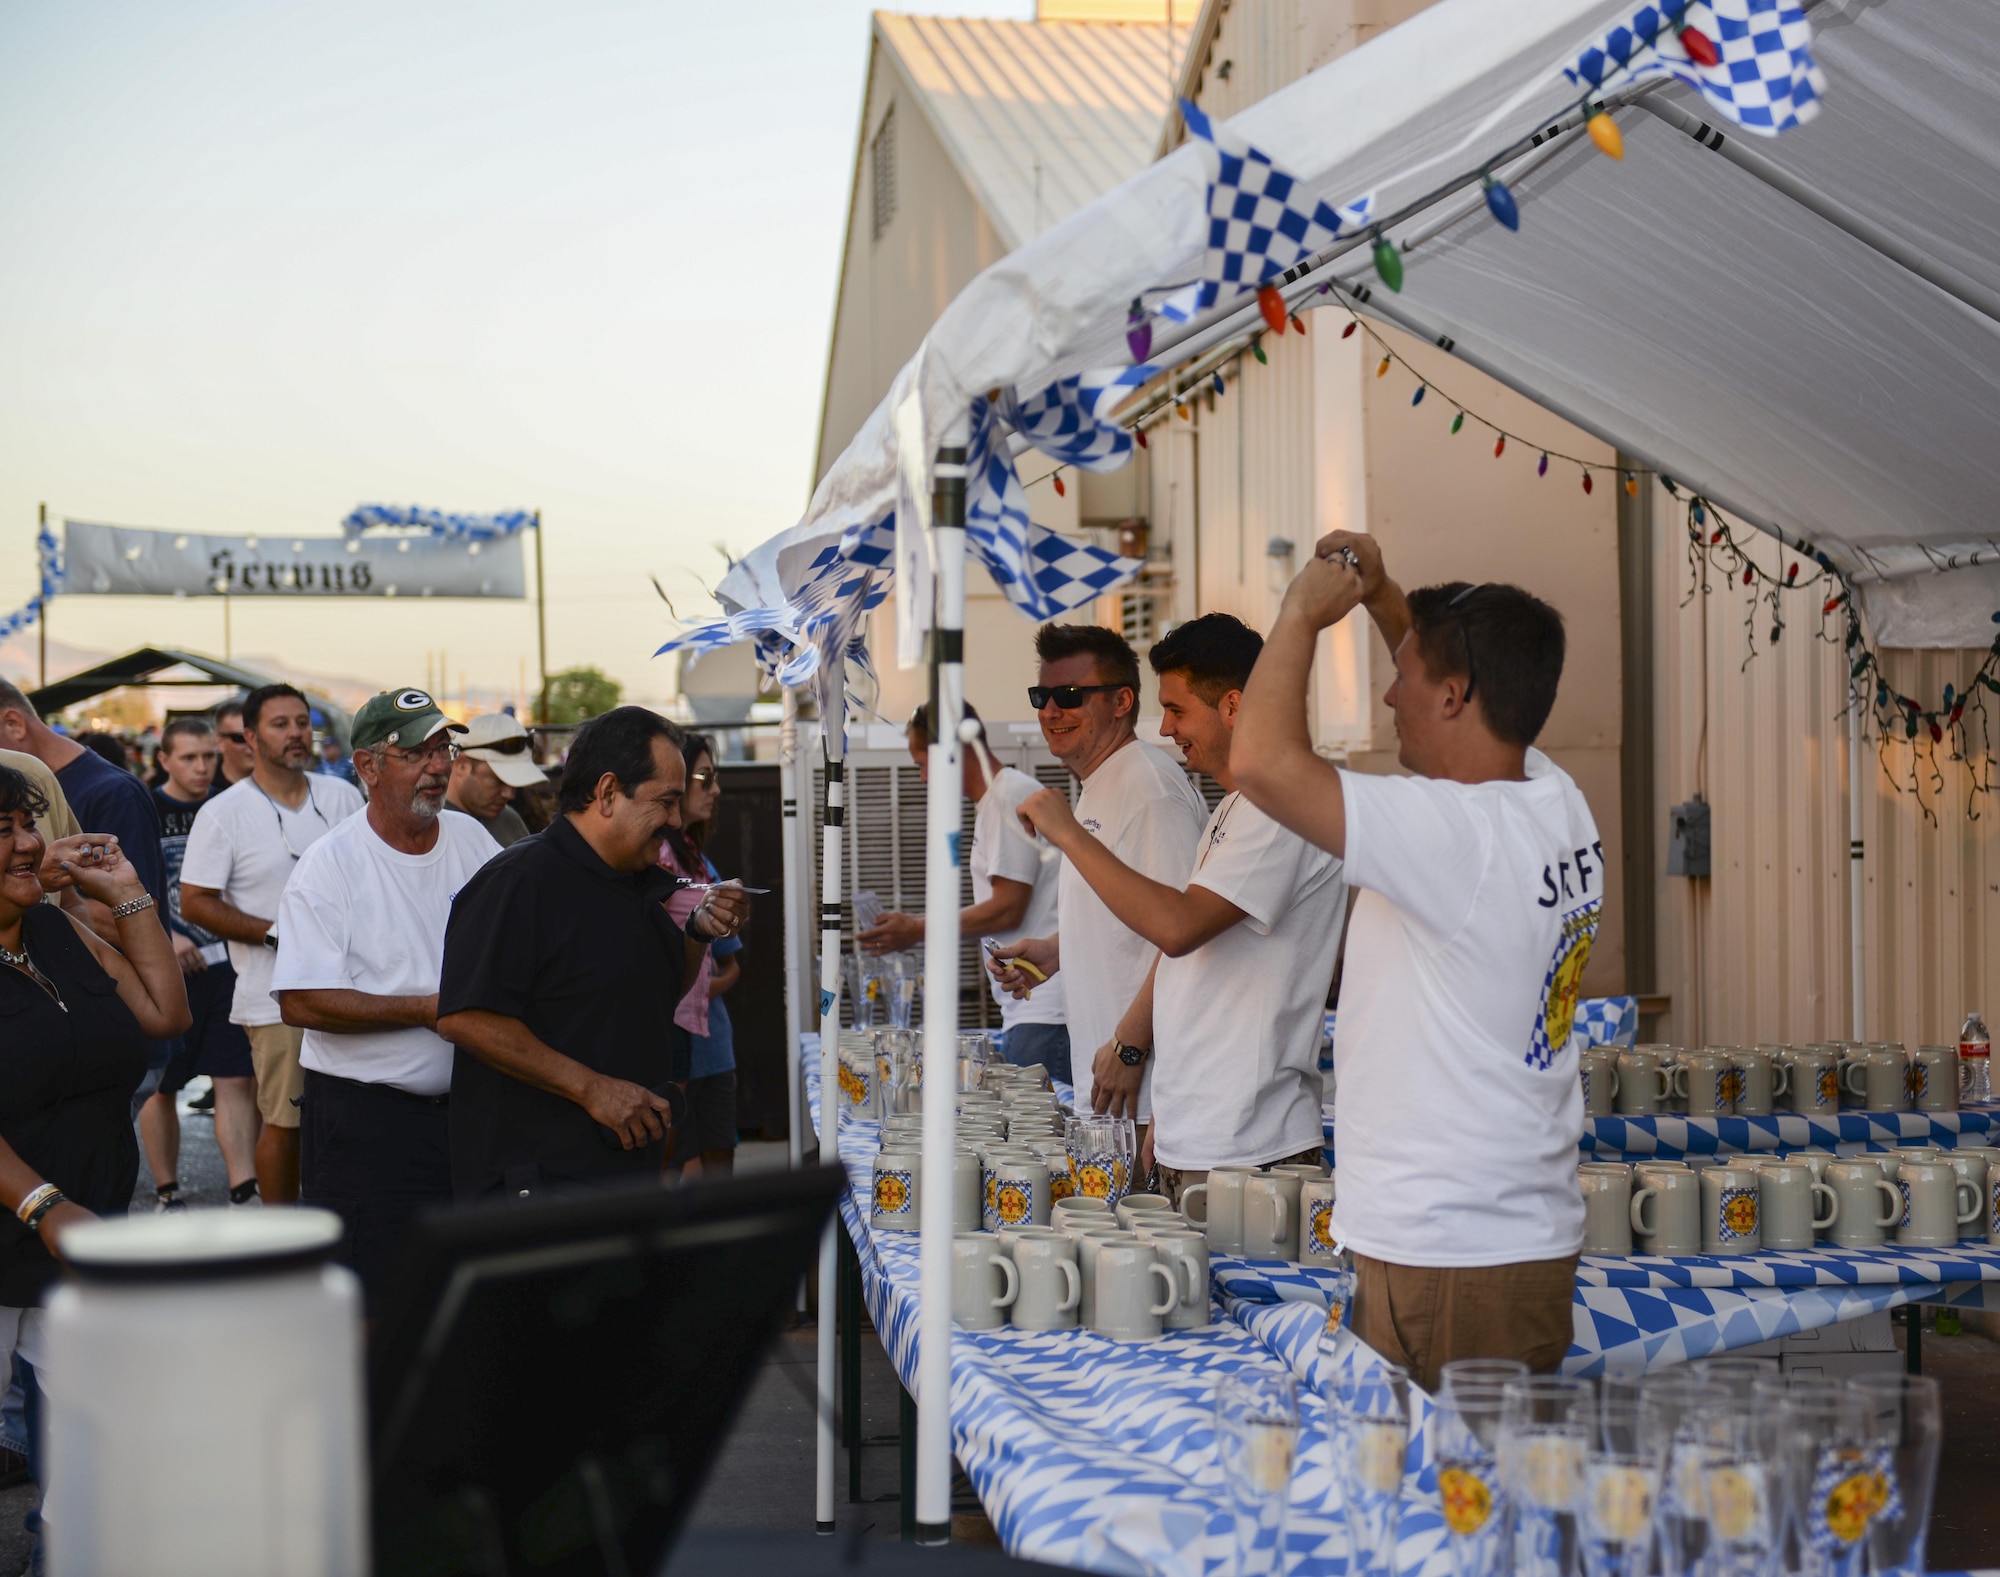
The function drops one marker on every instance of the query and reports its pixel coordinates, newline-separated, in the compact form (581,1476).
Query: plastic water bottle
(1975,1060)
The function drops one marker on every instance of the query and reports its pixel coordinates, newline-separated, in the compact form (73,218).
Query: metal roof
(1040,118)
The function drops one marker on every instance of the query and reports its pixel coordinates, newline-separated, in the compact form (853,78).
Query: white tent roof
(1697,316)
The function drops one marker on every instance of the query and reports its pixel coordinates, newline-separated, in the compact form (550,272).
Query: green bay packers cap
(403,718)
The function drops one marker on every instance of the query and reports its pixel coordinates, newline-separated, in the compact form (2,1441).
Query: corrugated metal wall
(1760,951)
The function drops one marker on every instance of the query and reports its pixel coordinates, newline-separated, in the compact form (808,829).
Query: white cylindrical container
(204,1405)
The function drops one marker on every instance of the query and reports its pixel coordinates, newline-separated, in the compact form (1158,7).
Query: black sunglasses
(1067,696)
(1465,634)
(235,739)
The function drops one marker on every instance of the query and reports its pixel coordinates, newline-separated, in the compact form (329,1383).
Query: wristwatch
(1131,1056)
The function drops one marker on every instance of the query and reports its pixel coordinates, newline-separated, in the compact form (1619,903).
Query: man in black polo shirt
(561,974)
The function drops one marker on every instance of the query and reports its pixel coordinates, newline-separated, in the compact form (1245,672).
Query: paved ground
(763,1473)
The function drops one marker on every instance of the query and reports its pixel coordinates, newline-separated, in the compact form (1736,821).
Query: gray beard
(425,810)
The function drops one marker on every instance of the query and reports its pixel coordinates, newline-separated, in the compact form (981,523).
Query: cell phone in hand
(676,1100)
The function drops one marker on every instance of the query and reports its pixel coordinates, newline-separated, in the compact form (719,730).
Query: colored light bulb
(1257,350)
(1793,572)
(1749,574)
(1138,332)
(1216,379)
(1140,434)
(1499,446)
(1500,203)
(1586,482)
(1418,397)
(1700,47)
(1457,422)
(1631,485)
(1542,466)
(1388,263)
(1383,368)
(1700,514)
(1272,305)
(1605,133)
(1056,477)
(1181,410)
(1298,324)
(1351,327)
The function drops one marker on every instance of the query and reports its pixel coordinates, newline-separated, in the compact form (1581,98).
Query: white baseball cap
(502,743)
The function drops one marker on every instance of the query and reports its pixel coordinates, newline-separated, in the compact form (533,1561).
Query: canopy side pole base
(834,740)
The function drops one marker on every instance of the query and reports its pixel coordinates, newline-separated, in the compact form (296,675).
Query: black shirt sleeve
(492,947)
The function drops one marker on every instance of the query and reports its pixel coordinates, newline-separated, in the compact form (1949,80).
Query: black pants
(375,1156)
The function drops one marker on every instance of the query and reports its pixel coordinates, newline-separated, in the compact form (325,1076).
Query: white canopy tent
(1803,328)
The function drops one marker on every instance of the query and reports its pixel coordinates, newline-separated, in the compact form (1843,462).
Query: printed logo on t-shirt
(1092,824)
(1562,985)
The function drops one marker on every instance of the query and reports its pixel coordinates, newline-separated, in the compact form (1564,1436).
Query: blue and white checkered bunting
(1063,421)
(1608,1021)
(437,522)
(1260,222)
(1041,572)
(49,567)
(1766,80)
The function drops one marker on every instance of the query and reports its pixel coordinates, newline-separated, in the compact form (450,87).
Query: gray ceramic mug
(1183,1251)
(1666,1211)
(1866,1204)
(1643,1084)
(1815,1080)
(1129,1209)
(1933,1079)
(965,1175)
(1221,1196)
(1731,1211)
(1020,1189)
(1788,1200)
(1317,1245)
(1607,1211)
(984,1283)
(1762,1080)
(1051,1284)
(1936,1203)
(1598,1069)
(1706,1080)
(898,1176)
(1129,1274)
(1271,1216)
(1087,1239)
(1880,1078)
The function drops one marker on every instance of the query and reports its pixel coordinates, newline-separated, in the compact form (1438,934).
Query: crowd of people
(400,993)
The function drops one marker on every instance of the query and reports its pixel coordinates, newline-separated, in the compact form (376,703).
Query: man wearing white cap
(495,761)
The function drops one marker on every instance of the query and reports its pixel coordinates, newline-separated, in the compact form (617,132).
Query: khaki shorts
(274,1053)
(1422,1317)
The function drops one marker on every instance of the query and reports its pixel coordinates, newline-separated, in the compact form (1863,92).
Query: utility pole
(41,579)
(541,623)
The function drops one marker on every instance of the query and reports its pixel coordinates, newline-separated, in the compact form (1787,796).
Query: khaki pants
(1169,1181)
(274,1054)
(1423,1317)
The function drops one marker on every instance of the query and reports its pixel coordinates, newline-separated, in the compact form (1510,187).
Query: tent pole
(833,730)
(1839,215)
(1857,940)
(42,619)
(788,823)
(943,810)
(541,624)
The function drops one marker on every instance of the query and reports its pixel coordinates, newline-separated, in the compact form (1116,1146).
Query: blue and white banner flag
(1765,79)
(1040,571)
(1260,222)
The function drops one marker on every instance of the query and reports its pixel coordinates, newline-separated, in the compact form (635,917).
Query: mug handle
(1677,1082)
(1194,1291)
(1966,1191)
(1848,1084)
(1895,1202)
(1832,1207)
(1666,1078)
(1781,1079)
(1006,1299)
(1639,1199)
(1612,1069)
(1074,1281)
(1173,1292)
(1187,1198)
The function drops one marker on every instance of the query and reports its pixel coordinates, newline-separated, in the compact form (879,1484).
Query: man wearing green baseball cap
(361,927)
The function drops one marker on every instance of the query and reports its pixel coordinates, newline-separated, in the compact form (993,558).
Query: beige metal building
(1657,704)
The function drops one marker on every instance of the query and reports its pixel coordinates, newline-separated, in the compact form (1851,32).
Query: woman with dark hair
(75,1016)
(706,1145)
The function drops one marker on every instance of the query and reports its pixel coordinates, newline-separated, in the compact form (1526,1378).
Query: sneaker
(204,1102)
(164,1203)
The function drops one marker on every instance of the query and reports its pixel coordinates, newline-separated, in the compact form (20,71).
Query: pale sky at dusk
(261,263)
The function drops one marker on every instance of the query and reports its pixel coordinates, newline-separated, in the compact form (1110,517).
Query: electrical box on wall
(1687,838)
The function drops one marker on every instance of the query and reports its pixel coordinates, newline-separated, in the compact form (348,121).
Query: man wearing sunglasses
(240,853)
(495,762)
(237,757)
(1481,883)
(1141,807)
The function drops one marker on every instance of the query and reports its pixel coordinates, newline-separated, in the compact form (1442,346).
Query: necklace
(310,804)
(22,961)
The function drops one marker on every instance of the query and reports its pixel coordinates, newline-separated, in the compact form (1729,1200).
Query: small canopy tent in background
(1802,331)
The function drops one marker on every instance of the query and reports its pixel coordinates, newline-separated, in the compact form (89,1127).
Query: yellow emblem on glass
(1853,1502)
(1467,1501)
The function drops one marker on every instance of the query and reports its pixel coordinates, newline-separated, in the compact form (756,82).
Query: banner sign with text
(117,561)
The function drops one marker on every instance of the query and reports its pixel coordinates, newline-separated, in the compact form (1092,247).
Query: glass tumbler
(1257,1437)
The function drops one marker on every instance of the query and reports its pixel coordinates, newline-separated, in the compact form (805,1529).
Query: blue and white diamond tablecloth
(1101,1455)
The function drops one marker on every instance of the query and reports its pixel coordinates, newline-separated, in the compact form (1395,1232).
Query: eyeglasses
(1465,634)
(702,778)
(507,747)
(442,746)
(234,738)
(1067,696)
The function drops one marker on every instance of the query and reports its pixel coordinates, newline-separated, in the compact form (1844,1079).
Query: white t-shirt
(1237,1022)
(237,847)
(361,916)
(1002,847)
(1459,1104)
(1139,805)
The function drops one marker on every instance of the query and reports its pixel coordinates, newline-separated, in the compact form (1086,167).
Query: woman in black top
(75,1014)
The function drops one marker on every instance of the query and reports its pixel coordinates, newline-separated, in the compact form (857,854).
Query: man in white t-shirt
(1014,896)
(240,853)
(1141,807)
(363,924)
(1481,882)
(1233,1009)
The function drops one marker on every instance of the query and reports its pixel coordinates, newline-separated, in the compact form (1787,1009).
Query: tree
(578,694)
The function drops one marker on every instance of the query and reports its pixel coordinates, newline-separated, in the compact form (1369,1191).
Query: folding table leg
(907,1450)
(1913,1344)
(850,1364)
